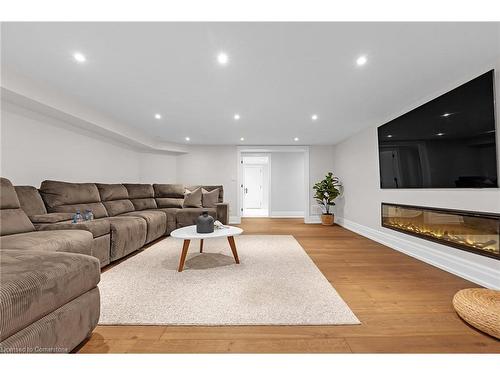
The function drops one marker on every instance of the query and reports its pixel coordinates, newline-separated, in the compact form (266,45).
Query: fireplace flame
(484,241)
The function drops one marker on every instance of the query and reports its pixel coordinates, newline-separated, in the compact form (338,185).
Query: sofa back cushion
(141,196)
(8,196)
(31,201)
(169,195)
(115,199)
(209,188)
(62,196)
(118,207)
(13,220)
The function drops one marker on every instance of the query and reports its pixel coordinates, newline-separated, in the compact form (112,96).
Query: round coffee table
(189,233)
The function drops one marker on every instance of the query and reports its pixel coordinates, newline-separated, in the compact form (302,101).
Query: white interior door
(253,187)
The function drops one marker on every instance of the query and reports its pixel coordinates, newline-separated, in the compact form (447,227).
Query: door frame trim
(240,182)
(269,150)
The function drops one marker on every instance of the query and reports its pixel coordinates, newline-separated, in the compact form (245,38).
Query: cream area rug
(276,283)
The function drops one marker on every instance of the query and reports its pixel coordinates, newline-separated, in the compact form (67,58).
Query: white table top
(189,233)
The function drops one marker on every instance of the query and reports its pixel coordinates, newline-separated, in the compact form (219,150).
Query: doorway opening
(255,185)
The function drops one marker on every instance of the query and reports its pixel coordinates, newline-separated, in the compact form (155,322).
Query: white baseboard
(286,214)
(234,220)
(486,276)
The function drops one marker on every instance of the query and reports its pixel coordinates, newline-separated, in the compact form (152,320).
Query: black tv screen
(449,142)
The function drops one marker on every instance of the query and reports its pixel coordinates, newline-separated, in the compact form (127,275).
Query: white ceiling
(278,75)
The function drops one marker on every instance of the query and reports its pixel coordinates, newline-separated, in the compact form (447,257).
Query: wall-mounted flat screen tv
(449,142)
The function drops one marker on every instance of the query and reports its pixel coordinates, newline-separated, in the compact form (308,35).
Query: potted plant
(325,193)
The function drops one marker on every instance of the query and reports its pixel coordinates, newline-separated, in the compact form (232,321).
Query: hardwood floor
(404,306)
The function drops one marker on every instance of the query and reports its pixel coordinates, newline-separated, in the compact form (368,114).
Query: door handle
(246,191)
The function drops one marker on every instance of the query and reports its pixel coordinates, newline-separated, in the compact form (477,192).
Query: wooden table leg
(233,249)
(185,248)
(201,245)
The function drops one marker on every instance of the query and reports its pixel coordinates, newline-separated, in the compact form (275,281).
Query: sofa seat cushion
(156,221)
(170,212)
(71,241)
(188,216)
(171,218)
(128,234)
(35,283)
(98,227)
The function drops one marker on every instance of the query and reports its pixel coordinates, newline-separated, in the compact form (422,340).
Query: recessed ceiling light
(361,60)
(187,139)
(79,57)
(389,136)
(296,139)
(222,58)
(236,116)
(242,139)
(440,134)
(157,116)
(314,117)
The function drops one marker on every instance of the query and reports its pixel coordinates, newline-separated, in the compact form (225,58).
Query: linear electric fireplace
(477,232)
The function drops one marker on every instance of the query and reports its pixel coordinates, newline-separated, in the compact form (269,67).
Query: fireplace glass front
(476,232)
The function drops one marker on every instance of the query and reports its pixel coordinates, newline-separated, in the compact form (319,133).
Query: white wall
(287,184)
(211,165)
(355,161)
(35,147)
(157,168)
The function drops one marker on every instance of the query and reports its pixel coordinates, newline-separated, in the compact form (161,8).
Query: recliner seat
(33,205)
(116,200)
(17,231)
(142,198)
(126,234)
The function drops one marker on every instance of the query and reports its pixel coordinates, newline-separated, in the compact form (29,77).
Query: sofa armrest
(222,212)
(55,217)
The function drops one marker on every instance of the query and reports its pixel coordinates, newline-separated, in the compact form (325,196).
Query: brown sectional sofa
(49,266)
(49,301)
(126,216)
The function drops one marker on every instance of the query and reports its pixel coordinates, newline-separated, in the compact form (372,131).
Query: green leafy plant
(326,191)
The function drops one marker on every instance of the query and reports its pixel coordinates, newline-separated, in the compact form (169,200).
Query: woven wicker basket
(480,308)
